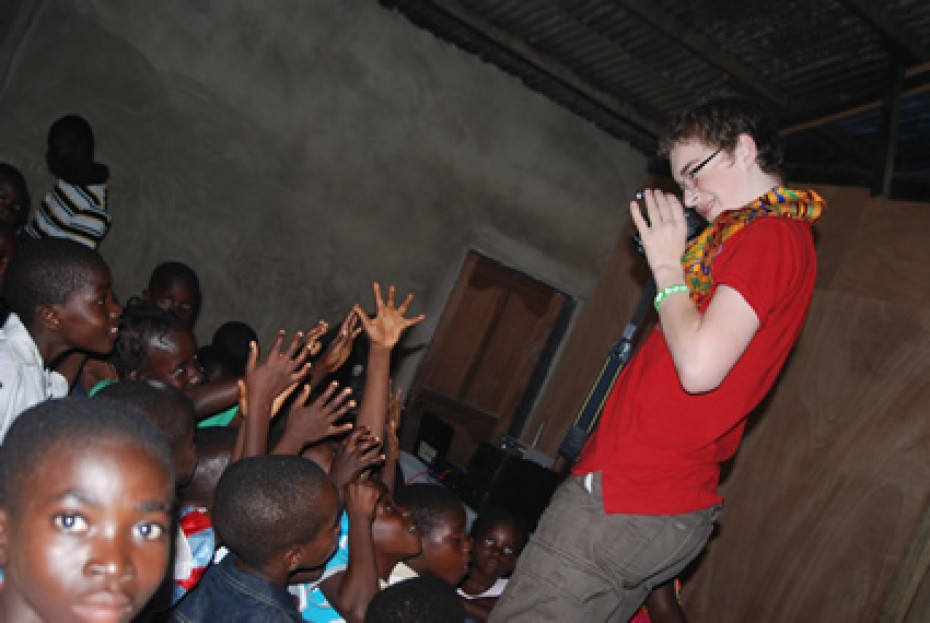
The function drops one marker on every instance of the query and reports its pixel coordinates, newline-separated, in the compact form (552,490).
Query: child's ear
(49,317)
(292,558)
(4,538)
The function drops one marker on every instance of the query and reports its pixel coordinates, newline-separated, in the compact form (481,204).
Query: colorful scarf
(698,259)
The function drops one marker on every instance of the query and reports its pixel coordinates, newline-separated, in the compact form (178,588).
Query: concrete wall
(292,151)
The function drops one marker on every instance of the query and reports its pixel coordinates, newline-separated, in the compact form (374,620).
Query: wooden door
(491,347)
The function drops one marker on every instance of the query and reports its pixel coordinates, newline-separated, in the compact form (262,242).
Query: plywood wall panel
(888,255)
(831,480)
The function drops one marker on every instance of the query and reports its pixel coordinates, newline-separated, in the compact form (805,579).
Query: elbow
(699,379)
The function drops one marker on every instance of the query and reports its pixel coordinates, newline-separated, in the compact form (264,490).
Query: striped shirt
(74,211)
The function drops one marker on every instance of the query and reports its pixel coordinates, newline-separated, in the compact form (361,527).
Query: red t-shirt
(659,447)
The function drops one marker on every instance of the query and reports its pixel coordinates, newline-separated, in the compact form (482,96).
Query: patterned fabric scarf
(698,259)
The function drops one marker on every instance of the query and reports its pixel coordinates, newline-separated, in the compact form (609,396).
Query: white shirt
(24,381)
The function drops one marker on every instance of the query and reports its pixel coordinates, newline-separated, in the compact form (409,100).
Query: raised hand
(389,323)
(361,498)
(309,423)
(665,234)
(360,451)
(312,343)
(340,347)
(271,382)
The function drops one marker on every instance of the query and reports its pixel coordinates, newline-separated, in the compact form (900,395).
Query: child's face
(319,550)
(89,318)
(393,530)
(177,297)
(447,549)
(494,552)
(7,246)
(12,198)
(172,359)
(91,537)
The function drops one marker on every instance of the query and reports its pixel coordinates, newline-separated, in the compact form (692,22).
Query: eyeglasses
(689,179)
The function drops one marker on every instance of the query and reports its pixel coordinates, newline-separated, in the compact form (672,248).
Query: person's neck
(759,184)
(50,348)
(416,563)
(275,576)
(477,583)
(385,563)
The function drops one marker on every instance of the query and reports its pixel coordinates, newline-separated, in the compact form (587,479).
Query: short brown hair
(720,119)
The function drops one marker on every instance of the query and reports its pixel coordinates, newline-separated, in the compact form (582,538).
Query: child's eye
(150,531)
(69,522)
(508,550)
(488,541)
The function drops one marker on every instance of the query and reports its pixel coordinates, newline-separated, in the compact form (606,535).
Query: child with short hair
(498,538)
(174,286)
(76,208)
(86,489)
(173,414)
(61,300)
(417,600)
(376,538)
(228,356)
(215,447)
(14,198)
(276,515)
(440,518)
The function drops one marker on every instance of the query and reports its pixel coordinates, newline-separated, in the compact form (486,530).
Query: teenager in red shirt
(641,502)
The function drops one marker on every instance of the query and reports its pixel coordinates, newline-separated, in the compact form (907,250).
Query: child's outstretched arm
(383,331)
(391,443)
(351,591)
(309,423)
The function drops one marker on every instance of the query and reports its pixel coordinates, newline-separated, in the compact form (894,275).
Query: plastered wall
(292,151)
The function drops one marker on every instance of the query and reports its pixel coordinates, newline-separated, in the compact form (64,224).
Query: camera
(696,225)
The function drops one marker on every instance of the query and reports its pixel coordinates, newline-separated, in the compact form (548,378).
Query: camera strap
(590,413)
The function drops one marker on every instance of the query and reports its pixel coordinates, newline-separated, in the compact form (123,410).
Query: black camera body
(696,225)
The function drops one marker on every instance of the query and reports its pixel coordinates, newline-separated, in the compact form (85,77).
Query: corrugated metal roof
(825,66)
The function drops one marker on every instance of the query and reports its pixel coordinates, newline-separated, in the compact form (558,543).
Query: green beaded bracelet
(678,288)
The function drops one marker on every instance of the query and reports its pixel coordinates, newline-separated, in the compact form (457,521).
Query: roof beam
(704,48)
(906,49)
(888,135)
(645,127)
(916,81)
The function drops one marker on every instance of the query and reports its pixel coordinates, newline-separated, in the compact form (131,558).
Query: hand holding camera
(664,228)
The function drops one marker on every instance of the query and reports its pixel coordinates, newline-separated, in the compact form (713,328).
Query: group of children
(143,478)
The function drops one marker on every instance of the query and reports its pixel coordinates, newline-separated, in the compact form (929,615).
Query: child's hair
(70,147)
(168,408)
(13,175)
(427,503)
(231,341)
(214,366)
(265,504)
(140,325)
(78,423)
(46,272)
(215,445)
(168,273)
(498,516)
(424,599)
(719,120)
